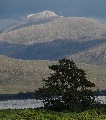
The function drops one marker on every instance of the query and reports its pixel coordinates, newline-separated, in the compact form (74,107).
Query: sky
(12,10)
(90,8)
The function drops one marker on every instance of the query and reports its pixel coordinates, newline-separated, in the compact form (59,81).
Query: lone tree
(67,88)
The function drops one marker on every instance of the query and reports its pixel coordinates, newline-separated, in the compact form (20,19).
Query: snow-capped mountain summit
(41,16)
(44,14)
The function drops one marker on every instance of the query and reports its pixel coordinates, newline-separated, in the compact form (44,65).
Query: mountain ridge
(33,19)
(95,55)
(52,50)
(53,38)
(73,28)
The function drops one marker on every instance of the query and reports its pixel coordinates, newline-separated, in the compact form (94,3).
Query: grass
(96,74)
(30,114)
(19,75)
(26,75)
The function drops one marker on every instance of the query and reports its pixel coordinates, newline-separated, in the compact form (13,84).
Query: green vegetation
(67,88)
(29,114)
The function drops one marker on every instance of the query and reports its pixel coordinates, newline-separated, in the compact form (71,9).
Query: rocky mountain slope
(95,55)
(74,28)
(47,36)
(52,50)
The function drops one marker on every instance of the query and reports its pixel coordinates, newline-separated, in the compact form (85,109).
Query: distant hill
(95,55)
(52,50)
(49,29)
(26,76)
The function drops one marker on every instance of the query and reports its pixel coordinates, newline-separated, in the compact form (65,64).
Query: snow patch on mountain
(44,14)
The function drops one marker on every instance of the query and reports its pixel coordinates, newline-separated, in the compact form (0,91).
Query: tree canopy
(67,87)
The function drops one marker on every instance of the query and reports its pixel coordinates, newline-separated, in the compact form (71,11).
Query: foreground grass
(29,114)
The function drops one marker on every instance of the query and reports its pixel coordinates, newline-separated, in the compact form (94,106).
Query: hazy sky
(90,8)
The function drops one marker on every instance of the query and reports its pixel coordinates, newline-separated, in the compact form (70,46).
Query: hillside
(26,76)
(71,28)
(18,75)
(52,50)
(95,55)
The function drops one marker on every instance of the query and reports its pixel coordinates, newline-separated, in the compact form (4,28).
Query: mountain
(34,37)
(12,11)
(95,55)
(74,28)
(52,50)
(33,19)
(47,36)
